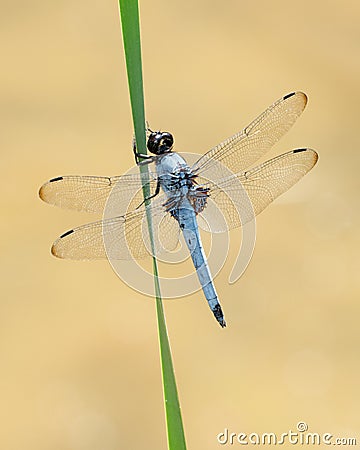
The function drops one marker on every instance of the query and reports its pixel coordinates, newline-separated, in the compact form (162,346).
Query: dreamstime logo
(228,206)
(302,426)
(299,437)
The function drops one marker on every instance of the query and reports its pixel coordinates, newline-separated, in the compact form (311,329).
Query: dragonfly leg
(146,159)
(157,190)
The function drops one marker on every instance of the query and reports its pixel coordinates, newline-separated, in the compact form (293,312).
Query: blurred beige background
(78,349)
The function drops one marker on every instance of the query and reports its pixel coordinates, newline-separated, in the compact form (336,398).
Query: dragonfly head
(160,142)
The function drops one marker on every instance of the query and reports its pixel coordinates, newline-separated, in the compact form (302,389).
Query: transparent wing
(122,237)
(241,197)
(243,149)
(87,193)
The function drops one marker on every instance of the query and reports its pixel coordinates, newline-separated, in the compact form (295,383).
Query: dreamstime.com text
(299,437)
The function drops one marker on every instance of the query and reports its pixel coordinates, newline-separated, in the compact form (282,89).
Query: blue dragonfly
(178,194)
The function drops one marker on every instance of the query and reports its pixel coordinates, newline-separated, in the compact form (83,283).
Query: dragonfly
(179,194)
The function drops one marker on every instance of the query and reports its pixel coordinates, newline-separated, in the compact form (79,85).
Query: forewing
(88,193)
(243,149)
(242,196)
(121,237)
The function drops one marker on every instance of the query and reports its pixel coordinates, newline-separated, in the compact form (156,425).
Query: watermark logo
(130,247)
(302,436)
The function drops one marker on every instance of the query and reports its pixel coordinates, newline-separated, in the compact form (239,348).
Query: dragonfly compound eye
(160,142)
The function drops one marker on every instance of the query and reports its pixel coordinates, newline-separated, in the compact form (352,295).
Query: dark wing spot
(66,234)
(56,179)
(288,95)
(299,150)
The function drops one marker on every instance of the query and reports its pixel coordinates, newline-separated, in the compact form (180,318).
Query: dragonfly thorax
(178,182)
(160,142)
(173,171)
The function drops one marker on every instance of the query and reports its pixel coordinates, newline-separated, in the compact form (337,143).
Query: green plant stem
(129,12)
